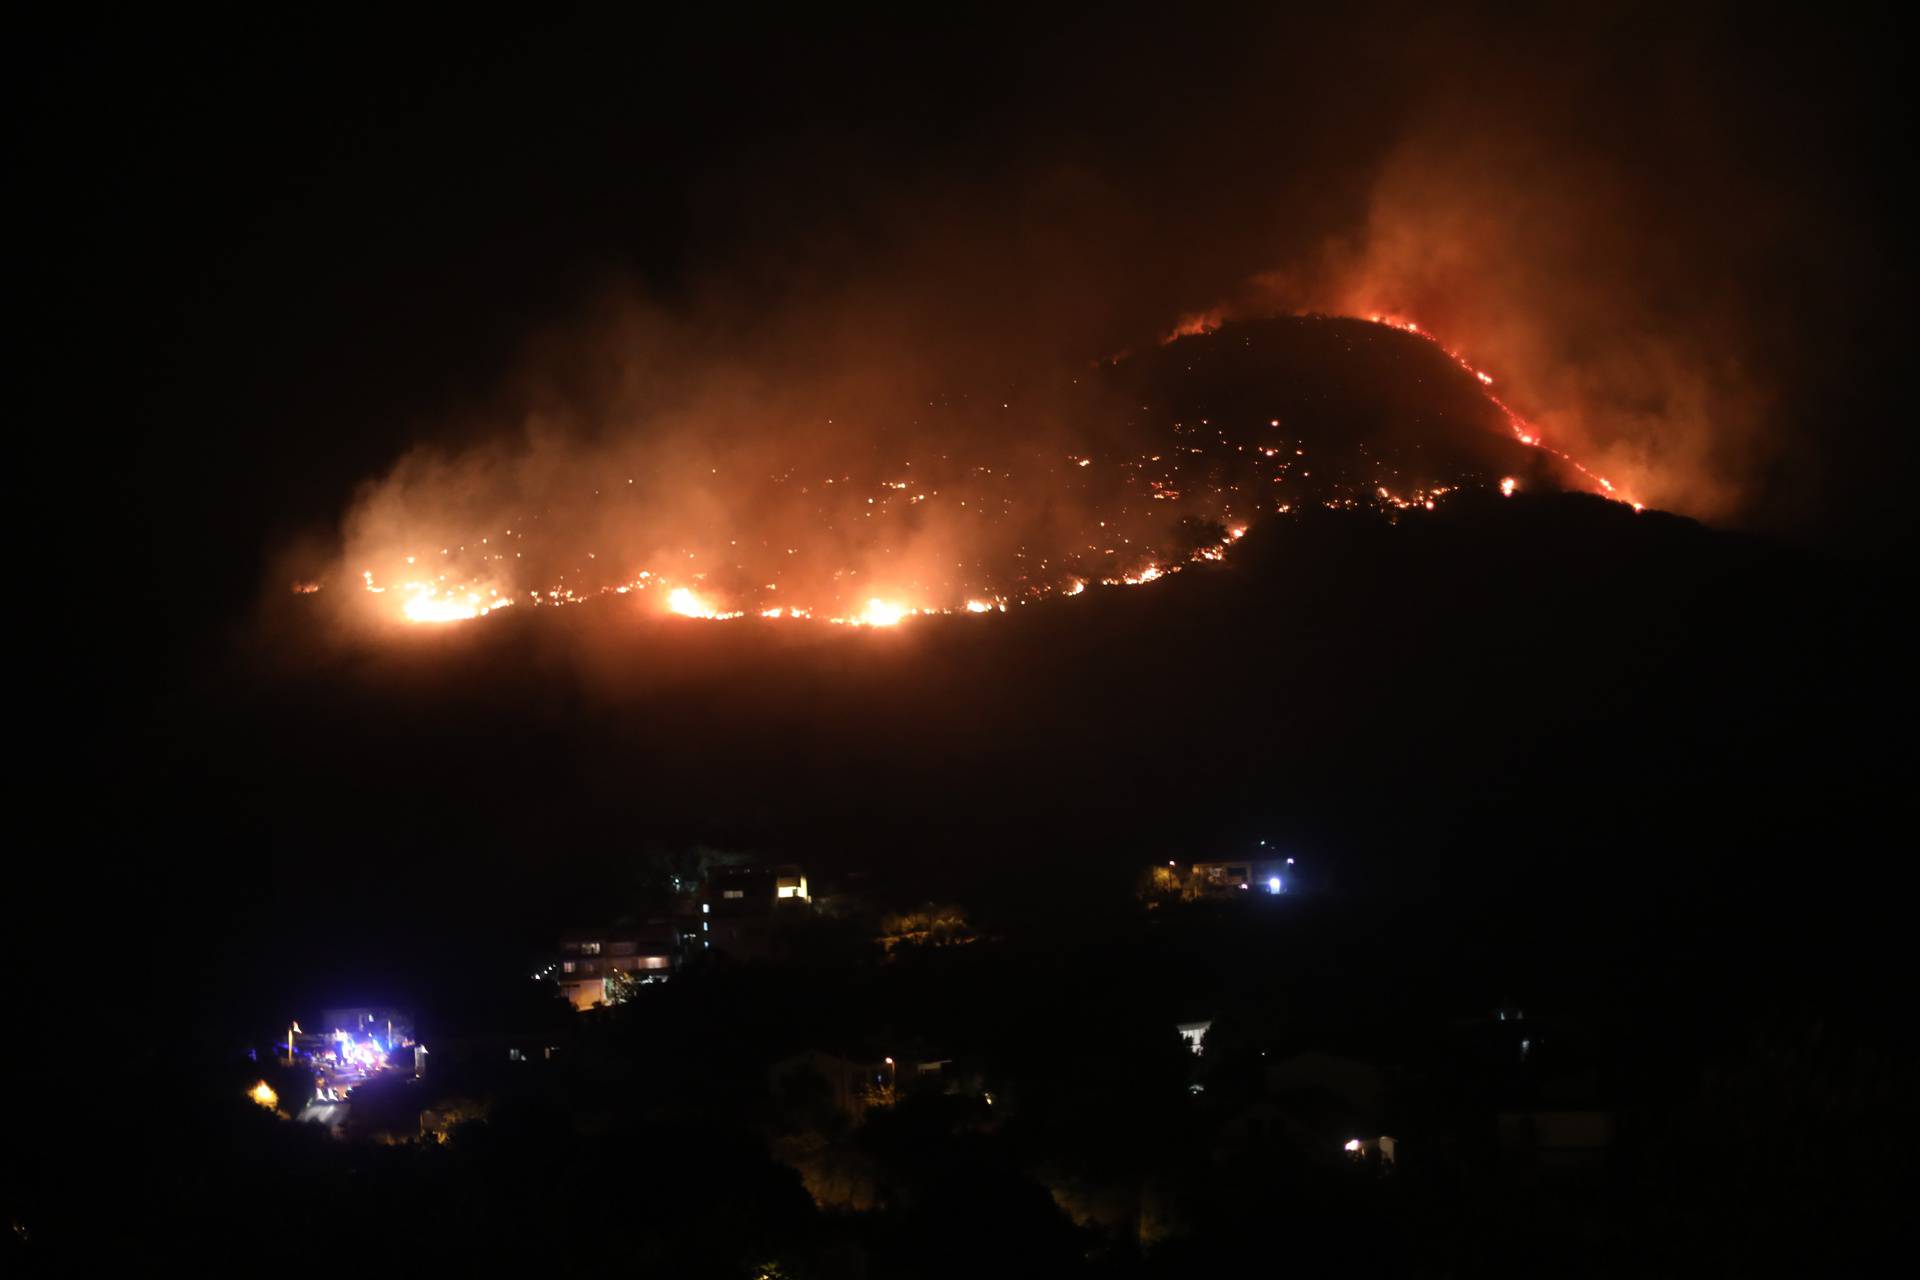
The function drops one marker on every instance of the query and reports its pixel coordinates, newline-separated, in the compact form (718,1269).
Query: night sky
(259,263)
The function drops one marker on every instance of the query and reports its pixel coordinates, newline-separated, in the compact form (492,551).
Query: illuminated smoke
(674,523)
(834,420)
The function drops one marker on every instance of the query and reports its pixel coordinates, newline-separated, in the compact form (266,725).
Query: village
(763,998)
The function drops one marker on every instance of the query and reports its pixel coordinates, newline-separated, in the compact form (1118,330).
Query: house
(1195,1034)
(1235,877)
(789,882)
(756,889)
(1218,880)
(589,957)
(740,904)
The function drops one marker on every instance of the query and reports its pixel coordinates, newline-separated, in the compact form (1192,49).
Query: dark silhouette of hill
(1617,766)
(1538,749)
(1549,699)
(1542,721)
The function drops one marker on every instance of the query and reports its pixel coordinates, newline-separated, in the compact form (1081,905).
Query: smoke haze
(1612,229)
(408,287)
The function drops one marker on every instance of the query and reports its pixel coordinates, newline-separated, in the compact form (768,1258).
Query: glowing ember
(1507,486)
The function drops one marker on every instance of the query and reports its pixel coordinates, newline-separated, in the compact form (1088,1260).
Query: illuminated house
(790,882)
(1195,1035)
(754,889)
(589,957)
(738,907)
(1234,877)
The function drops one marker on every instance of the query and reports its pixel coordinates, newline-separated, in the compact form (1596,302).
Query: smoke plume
(874,374)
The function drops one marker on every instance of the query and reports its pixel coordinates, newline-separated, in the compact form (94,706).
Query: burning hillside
(1120,476)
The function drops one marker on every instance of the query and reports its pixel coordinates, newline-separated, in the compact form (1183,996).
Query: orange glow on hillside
(876,550)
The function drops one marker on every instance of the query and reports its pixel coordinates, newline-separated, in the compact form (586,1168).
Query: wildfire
(429,605)
(431,601)
(879,613)
(1193,325)
(263,1093)
(1523,431)
(1185,499)
(688,605)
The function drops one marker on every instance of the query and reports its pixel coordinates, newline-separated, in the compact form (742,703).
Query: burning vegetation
(1143,467)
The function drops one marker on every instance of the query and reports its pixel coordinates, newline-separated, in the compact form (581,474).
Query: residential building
(1234,877)
(739,905)
(589,957)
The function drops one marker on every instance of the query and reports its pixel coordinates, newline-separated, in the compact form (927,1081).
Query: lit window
(705,907)
(566,966)
(733,893)
(589,948)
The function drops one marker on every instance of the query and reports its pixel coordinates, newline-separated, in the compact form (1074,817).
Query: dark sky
(261,260)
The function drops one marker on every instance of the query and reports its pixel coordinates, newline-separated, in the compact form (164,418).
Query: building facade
(590,958)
